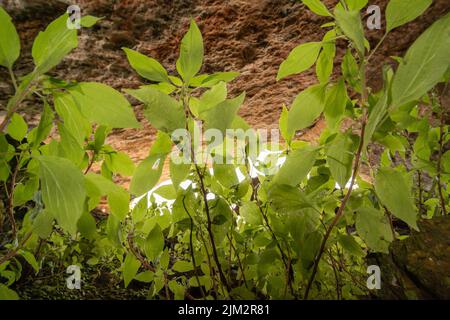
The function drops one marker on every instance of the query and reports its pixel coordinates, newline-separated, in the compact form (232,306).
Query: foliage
(295,224)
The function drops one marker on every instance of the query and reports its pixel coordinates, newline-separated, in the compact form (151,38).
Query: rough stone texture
(418,267)
(251,36)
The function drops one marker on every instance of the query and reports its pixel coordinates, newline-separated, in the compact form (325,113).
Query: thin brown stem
(11,254)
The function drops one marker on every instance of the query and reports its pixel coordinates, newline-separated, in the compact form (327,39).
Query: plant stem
(439,164)
(13,78)
(356,166)
(223,279)
(194,265)
(11,254)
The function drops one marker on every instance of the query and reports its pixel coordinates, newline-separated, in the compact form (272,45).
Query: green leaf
(104,105)
(147,174)
(63,191)
(190,59)
(340,158)
(163,112)
(10,42)
(306,108)
(213,79)
(89,21)
(119,203)
(45,125)
(399,12)
(356,4)
(317,7)
(350,71)
(225,174)
(377,114)
(335,103)
(74,121)
(296,167)
(146,67)
(283,125)
(424,65)
(325,62)
(349,243)
(395,193)
(250,212)
(300,59)
(121,163)
(178,172)
(24,191)
(182,266)
(43,224)
(87,226)
(69,147)
(29,257)
(17,127)
(286,199)
(222,115)
(130,268)
(7,293)
(50,46)
(373,227)
(350,24)
(154,244)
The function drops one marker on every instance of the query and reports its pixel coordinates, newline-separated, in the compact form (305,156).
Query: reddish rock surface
(249,36)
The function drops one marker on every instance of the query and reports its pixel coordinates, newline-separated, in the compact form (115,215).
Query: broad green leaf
(147,174)
(374,228)
(212,97)
(69,147)
(335,103)
(74,121)
(225,174)
(250,212)
(349,244)
(121,163)
(317,7)
(446,162)
(325,62)
(163,112)
(17,127)
(350,71)
(146,67)
(50,46)
(154,244)
(300,59)
(213,79)
(190,59)
(130,268)
(340,158)
(63,191)
(356,4)
(395,193)
(178,173)
(87,226)
(399,12)
(377,114)
(9,41)
(44,126)
(296,167)
(306,108)
(104,105)
(182,266)
(24,191)
(286,199)
(424,65)
(89,21)
(7,293)
(222,115)
(350,24)
(119,203)
(283,125)
(43,224)
(29,257)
